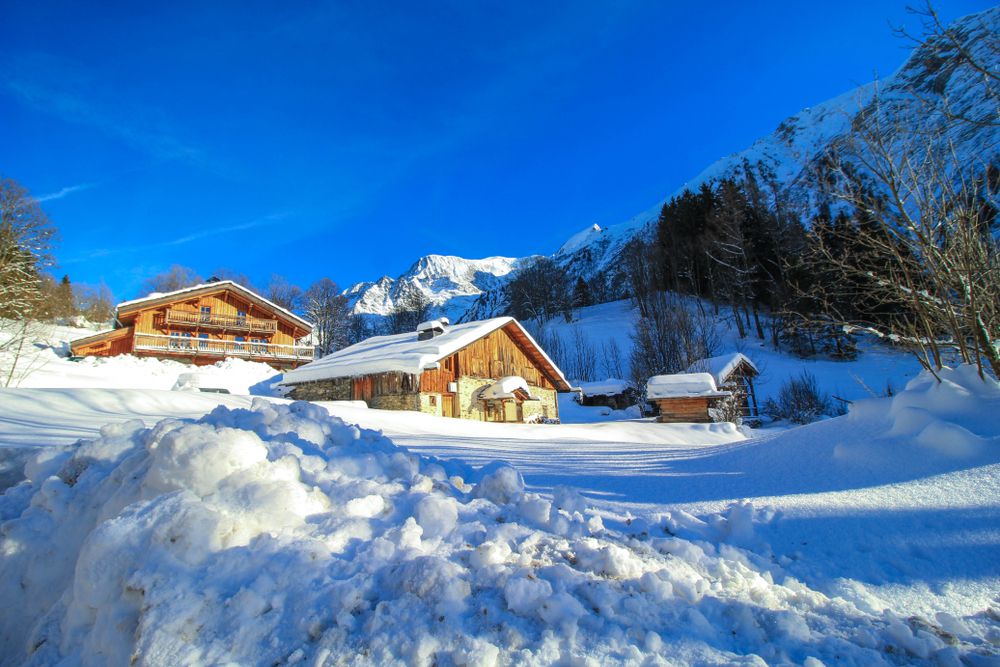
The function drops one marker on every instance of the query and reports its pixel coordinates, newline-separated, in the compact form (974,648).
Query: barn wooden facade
(490,370)
(685,397)
(201,325)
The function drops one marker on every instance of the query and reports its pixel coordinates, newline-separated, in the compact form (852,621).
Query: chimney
(431,328)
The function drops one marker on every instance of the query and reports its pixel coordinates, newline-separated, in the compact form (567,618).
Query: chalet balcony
(183,345)
(186,318)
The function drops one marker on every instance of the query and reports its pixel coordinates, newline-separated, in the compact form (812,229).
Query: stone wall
(548,406)
(396,402)
(337,389)
(431,404)
(467,405)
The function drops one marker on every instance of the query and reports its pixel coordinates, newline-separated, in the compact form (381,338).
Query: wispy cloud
(205,231)
(68,190)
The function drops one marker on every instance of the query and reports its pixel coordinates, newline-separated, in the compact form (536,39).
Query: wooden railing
(222,348)
(212,321)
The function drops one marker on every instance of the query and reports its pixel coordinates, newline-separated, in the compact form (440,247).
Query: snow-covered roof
(505,388)
(156,296)
(683,385)
(609,387)
(720,367)
(404,353)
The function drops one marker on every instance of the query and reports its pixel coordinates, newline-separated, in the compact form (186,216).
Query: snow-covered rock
(451,284)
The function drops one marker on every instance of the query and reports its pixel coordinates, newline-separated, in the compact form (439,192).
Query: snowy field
(192,528)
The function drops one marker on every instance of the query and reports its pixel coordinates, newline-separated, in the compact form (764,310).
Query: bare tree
(96,303)
(236,276)
(283,293)
(670,338)
(26,238)
(175,278)
(327,308)
(611,360)
(581,362)
(539,291)
(408,312)
(931,215)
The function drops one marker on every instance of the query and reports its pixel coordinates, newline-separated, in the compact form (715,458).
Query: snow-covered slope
(918,90)
(278,534)
(450,283)
(918,94)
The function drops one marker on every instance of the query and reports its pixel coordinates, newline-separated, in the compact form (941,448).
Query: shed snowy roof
(720,367)
(206,287)
(405,353)
(683,385)
(505,388)
(609,387)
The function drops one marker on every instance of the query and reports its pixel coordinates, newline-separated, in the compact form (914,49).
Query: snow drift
(279,534)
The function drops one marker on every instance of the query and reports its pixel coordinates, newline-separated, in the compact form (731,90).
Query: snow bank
(279,534)
(952,419)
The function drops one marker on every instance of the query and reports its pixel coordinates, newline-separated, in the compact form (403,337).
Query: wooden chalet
(203,324)
(733,373)
(491,370)
(685,397)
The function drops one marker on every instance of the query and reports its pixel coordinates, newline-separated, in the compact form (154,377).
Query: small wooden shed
(685,397)
(733,372)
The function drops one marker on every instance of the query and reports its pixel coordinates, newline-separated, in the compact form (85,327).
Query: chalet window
(175,340)
(257,346)
(186,343)
(239,343)
(432,401)
(241,317)
(203,341)
(206,313)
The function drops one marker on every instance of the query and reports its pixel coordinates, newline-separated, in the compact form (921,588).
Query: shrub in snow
(279,535)
(800,401)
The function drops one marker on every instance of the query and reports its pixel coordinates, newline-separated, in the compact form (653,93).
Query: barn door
(448,406)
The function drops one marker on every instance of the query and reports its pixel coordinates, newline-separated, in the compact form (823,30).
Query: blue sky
(348,139)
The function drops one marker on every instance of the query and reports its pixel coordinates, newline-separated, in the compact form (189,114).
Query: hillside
(921,92)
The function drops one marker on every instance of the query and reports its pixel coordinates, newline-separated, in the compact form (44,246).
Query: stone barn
(490,370)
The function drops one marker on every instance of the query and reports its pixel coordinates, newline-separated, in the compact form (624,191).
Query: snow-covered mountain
(450,283)
(928,82)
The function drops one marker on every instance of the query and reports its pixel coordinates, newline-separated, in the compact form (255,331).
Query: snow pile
(954,419)
(682,385)
(43,364)
(278,535)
